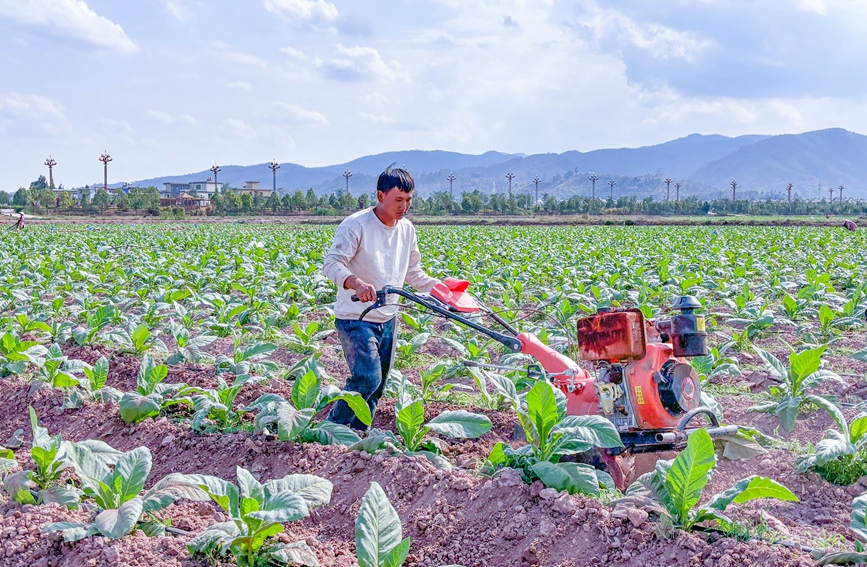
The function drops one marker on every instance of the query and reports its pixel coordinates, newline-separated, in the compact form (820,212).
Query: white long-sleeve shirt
(378,254)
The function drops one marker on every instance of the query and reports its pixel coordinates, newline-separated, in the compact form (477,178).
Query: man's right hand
(365,292)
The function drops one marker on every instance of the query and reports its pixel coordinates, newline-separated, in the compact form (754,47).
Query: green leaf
(409,422)
(282,507)
(329,433)
(140,336)
(377,528)
(134,407)
(787,410)
(688,474)
(296,553)
(291,422)
(17,486)
(116,523)
(171,488)
(133,469)
(249,486)
(804,363)
(582,432)
(460,424)
(305,391)
(98,374)
(859,509)
(833,446)
(397,555)
(857,428)
(762,487)
(751,488)
(835,412)
(498,455)
(542,408)
(773,363)
(575,478)
(314,490)
(357,404)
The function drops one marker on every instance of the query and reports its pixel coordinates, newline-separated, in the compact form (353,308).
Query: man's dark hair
(395,177)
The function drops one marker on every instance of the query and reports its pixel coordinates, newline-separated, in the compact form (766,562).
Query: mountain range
(705,165)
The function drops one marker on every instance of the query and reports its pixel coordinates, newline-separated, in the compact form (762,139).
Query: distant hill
(705,165)
(825,157)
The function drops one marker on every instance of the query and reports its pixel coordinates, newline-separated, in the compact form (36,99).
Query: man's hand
(365,292)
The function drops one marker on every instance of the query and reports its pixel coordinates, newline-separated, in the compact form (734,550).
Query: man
(373,248)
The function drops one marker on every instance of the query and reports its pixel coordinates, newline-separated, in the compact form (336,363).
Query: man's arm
(336,264)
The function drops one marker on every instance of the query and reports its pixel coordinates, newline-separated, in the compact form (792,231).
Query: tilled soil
(452,517)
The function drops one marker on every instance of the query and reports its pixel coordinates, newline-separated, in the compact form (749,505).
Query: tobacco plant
(791,395)
(412,430)
(16,355)
(293,420)
(674,488)
(257,512)
(247,359)
(151,395)
(214,408)
(118,495)
(552,435)
(840,458)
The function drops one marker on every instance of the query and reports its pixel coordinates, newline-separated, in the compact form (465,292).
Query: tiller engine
(643,383)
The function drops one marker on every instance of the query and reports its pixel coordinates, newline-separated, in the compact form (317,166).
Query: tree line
(228,201)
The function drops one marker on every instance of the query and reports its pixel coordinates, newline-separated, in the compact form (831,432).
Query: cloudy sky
(172,86)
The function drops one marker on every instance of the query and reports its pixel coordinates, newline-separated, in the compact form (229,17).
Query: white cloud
(294,53)
(312,11)
(358,63)
(170,119)
(178,10)
(239,128)
(661,42)
(71,19)
(231,53)
(29,109)
(301,116)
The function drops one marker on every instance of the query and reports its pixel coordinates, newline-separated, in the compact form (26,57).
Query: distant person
(19,224)
(849,225)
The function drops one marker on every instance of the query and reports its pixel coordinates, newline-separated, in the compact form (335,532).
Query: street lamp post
(510,176)
(216,169)
(274,166)
(611,185)
(667,187)
(50,162)
(734,185)
(347,174)
(789,191)
(105,158)
(831,196)
(677,185)
(451,179)
(593,178)
(536,180)
(841,194)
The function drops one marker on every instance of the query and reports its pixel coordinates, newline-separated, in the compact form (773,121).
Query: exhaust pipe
(678,436)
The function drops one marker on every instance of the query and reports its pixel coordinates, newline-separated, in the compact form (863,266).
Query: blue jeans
(369,352)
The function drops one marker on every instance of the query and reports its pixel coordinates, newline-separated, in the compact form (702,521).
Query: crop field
(164,388)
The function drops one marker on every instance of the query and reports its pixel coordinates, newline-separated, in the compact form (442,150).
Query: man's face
(395,203)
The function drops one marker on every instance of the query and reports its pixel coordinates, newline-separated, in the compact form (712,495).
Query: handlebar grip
(354,298)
